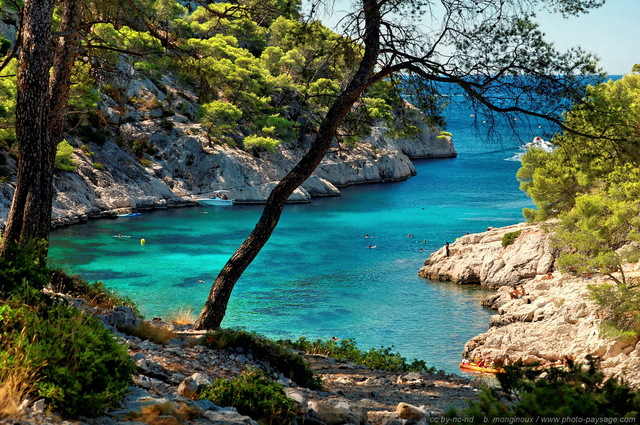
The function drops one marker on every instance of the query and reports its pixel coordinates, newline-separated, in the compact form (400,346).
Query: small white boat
(537,143)
(218,197)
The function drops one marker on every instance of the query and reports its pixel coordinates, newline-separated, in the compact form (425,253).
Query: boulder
(188,388)
(228,416)
(120,317)
(341,412)
(408,411)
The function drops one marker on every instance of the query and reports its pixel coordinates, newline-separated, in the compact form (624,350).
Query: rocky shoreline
(555,319)
(160,158)
(169,375)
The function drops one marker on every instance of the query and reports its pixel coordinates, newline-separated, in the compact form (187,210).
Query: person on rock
(515,294)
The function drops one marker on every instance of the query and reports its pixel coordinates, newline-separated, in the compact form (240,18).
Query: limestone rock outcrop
(481,259)
(174,161)
(554,320)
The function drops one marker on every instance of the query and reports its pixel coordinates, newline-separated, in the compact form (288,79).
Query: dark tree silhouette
(491,51)
(44,73)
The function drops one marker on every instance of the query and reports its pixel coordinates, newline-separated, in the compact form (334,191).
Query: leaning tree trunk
(216,305)
(30,214)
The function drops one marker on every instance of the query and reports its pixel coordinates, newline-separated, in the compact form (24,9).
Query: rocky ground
(555,319)
(169,375)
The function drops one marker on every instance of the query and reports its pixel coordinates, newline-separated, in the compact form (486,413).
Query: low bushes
(63,159)
(376,358)
(52,350)
(255,395)
(510,238)
(289,364)
(573,392)
(81,369)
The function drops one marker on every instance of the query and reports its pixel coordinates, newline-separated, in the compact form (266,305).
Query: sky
(612,32)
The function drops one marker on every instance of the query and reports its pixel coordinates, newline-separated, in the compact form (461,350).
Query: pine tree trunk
(66,51)
(43,90)
(216,305)
(30,214)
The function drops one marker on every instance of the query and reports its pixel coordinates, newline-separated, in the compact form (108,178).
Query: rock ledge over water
(480,258)
(556,317)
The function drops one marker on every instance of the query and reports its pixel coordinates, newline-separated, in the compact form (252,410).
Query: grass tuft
(184,316)
(17,381)
(166,414)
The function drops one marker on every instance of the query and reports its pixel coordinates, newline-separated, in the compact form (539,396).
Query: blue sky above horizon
(612,32)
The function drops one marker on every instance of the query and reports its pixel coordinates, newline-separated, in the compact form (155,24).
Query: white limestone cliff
(183,163)
(480,258)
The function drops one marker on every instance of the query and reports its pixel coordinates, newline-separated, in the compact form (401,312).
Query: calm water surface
(316,277)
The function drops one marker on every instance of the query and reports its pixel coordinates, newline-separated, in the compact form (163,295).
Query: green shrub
(81,369)
(291,365)
(88,133)
(510,238)
(262,143)
(63,157)
(145,162)
(77,365)
(143,146)
(95,293)
(572,392)
(277,126)
(20,271)
(165,124)
(255,395)
(218,118)
(376,358)
(99,166)
(621,306)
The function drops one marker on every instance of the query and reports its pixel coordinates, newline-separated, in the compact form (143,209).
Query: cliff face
(556,317)
(182,162)
(481,259)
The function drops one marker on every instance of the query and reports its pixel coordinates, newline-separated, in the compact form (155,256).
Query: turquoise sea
(316,277)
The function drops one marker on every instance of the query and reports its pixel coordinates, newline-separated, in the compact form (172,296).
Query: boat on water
(472,367)
(129,215)
(218,197)
(536,143)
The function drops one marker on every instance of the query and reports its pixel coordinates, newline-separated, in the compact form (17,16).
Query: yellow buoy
(142,241)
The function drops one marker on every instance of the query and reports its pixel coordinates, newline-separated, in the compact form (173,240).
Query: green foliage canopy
(591,184)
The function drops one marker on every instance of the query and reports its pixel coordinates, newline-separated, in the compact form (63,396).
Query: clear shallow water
(316,277)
